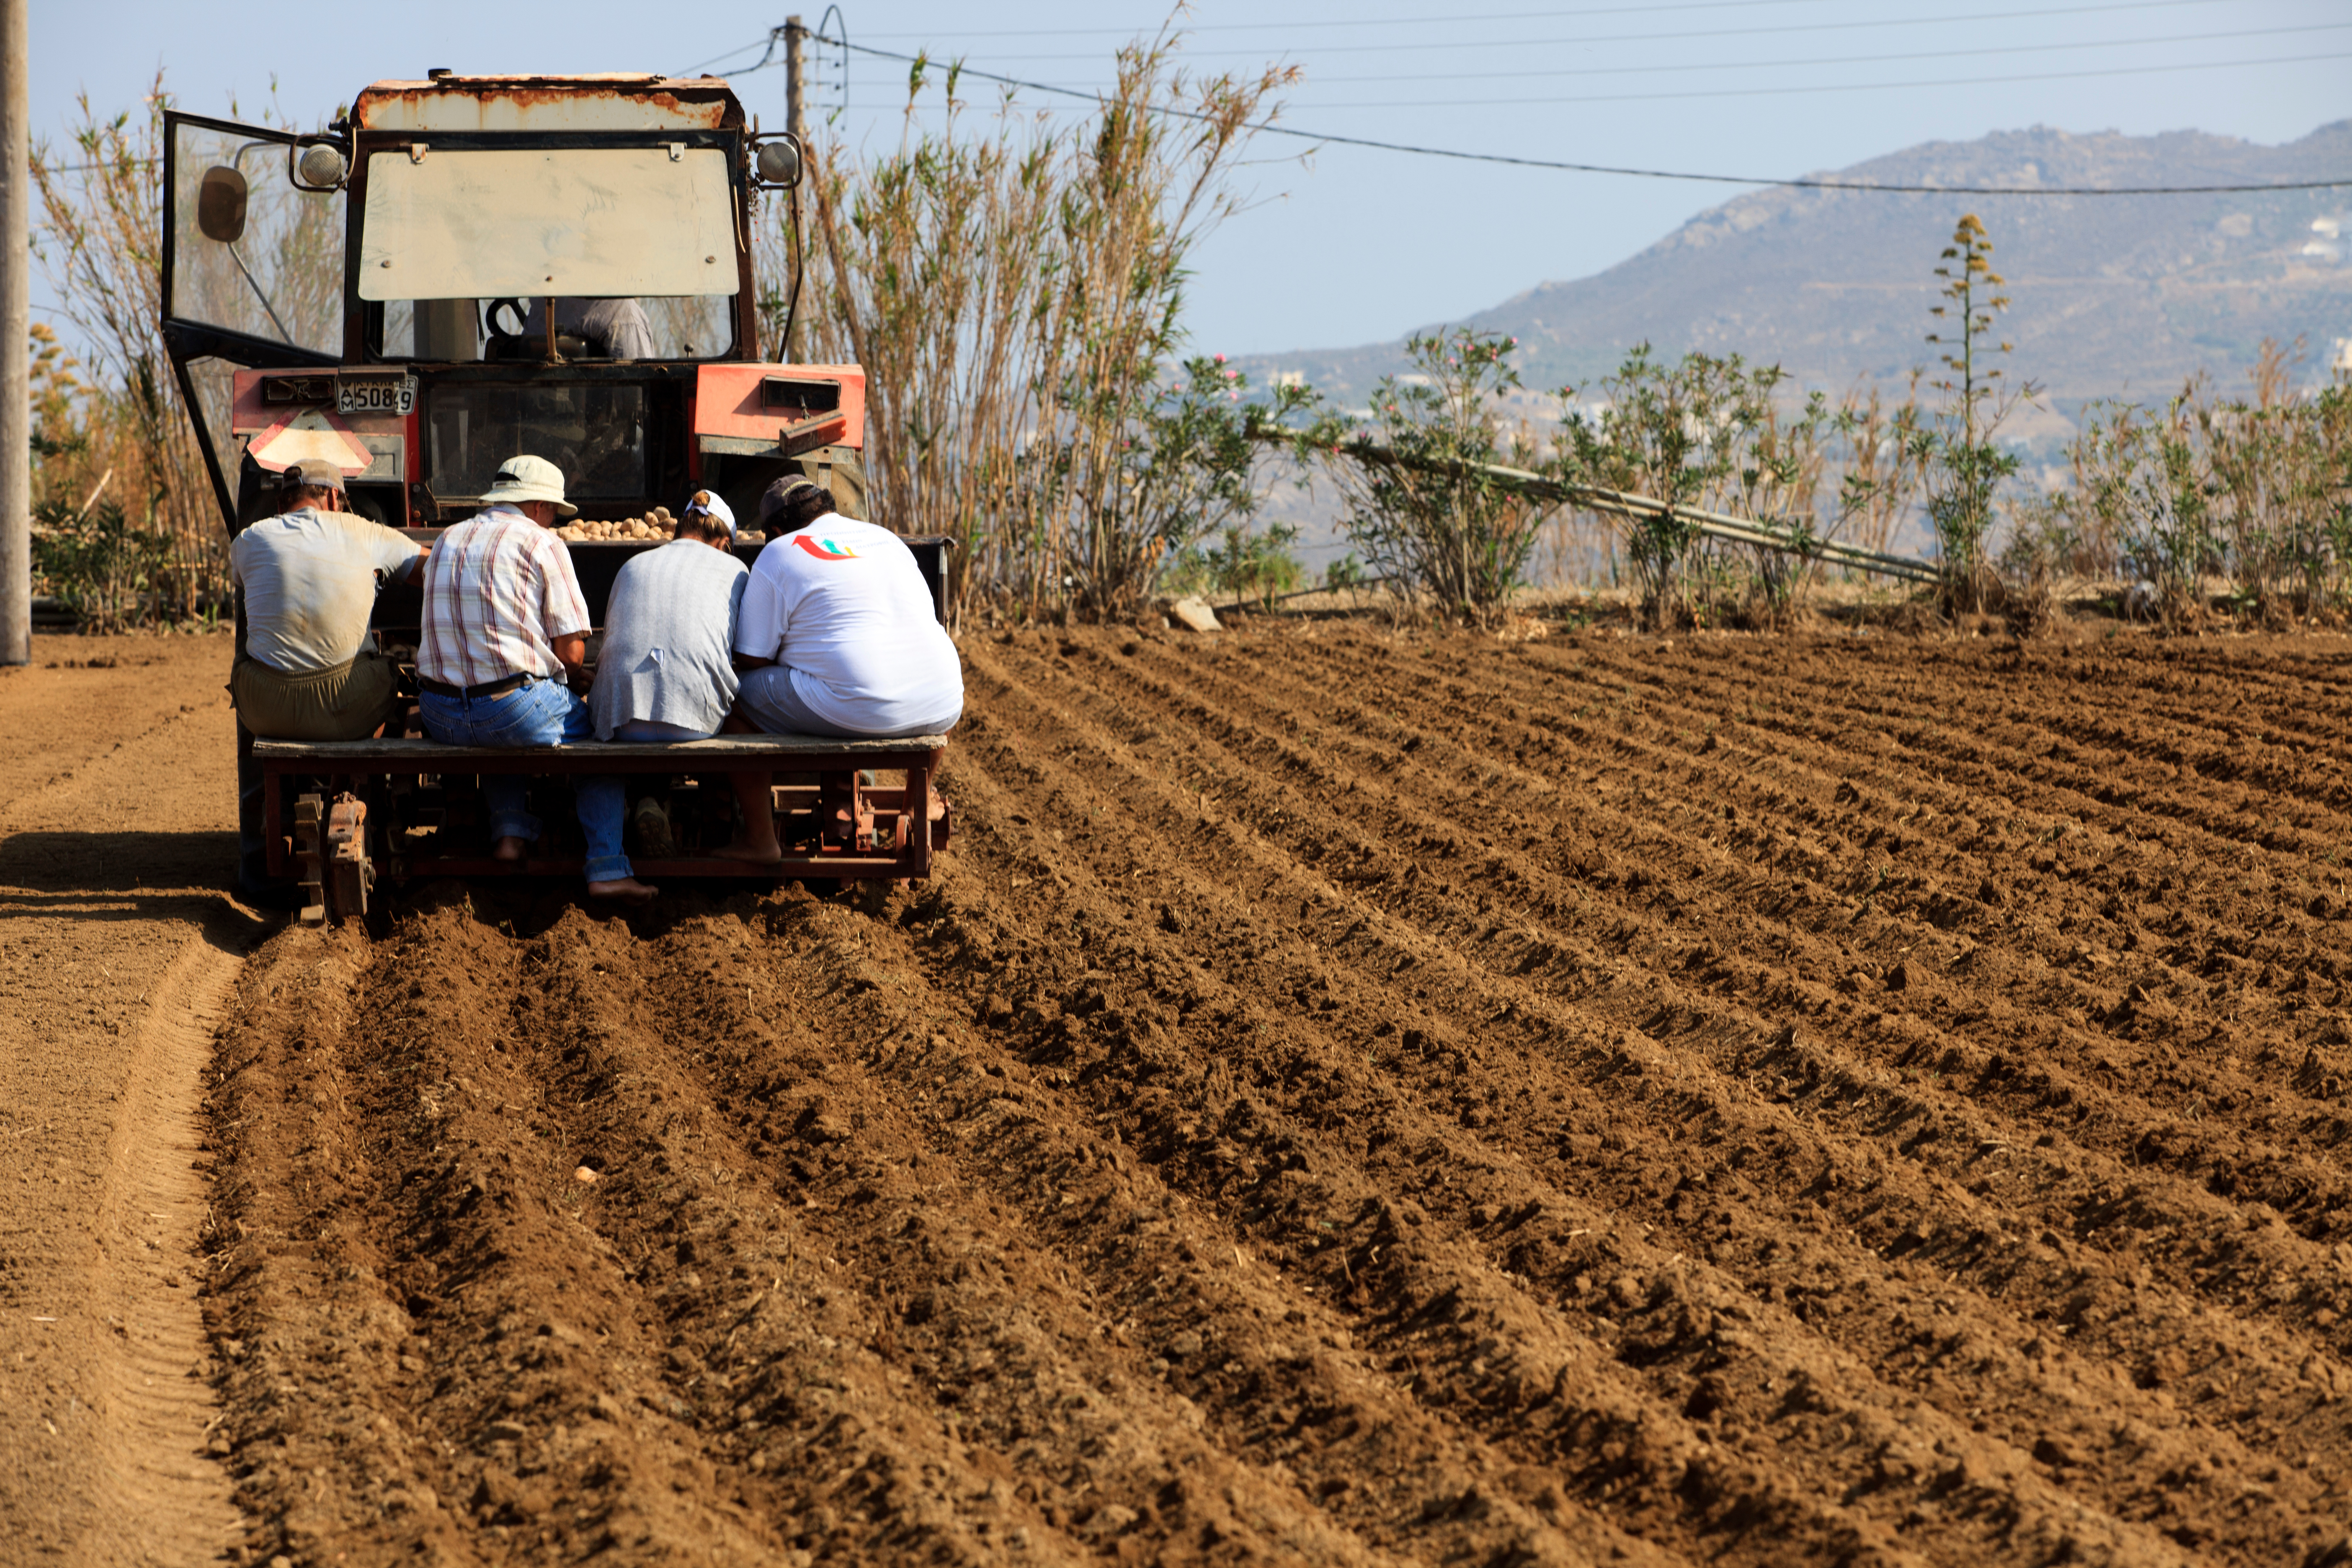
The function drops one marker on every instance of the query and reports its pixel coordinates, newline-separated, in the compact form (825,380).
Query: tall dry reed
(123,432)
(1014,289)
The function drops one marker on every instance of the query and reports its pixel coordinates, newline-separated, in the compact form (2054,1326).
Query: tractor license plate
(376,394)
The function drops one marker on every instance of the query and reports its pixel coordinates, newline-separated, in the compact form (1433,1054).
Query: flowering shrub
(1440,529)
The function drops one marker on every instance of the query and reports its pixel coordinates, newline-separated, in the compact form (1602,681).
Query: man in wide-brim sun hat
(504,645)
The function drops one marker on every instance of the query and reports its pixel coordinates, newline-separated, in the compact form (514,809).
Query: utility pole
(794,34)
(16,327)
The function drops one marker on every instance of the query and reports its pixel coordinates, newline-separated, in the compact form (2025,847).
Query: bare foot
(752,853)
(625,891)
(509,848)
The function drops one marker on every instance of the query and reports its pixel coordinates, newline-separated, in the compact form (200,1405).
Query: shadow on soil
(87,863)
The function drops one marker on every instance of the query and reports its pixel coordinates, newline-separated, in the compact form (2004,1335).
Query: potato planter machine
(341,815)
(382,808)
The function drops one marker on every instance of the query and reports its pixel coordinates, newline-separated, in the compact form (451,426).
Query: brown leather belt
(487,688)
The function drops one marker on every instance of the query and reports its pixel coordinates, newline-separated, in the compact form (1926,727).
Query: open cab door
(254,236)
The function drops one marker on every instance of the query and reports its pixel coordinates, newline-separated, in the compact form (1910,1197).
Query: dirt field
(117,814)
(1361,1098)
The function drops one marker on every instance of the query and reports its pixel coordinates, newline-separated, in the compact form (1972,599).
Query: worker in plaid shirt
(505,643)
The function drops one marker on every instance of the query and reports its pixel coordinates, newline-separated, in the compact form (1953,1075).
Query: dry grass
(115,425)
(1012,290)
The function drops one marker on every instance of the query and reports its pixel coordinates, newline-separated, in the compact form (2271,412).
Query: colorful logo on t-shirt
(824,549)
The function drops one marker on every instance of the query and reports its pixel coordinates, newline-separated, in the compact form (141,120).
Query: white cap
(530,478)
(309,475)
(708,503)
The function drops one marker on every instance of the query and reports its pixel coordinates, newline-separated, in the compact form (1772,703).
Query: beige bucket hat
(530,478)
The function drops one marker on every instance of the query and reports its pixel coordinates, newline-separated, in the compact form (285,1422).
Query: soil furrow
(1361,1097)
(1034,748)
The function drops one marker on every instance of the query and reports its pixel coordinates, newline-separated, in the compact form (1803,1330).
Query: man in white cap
(505,639)
(667,672)
(307,667)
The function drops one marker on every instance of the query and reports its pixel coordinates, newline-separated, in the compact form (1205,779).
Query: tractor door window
(251,253)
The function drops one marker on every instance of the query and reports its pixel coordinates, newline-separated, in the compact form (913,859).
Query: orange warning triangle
(310,436)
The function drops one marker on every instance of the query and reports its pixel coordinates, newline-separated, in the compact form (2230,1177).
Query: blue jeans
(604,799)
(536,713)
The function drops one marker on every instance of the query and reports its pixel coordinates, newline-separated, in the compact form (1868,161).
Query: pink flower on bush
(1221,359)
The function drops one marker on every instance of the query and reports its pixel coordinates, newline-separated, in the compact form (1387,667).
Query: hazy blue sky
(1355,246)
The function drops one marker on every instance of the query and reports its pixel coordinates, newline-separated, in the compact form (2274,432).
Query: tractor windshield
(653,225)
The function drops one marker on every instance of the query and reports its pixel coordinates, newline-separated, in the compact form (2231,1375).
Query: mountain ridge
(2114,296)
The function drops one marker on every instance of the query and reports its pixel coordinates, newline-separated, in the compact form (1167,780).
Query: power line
(1268,127)
(1487,101)
(1682,36)
(1358,24)
(737,49)
(2108,6)
(1685,67)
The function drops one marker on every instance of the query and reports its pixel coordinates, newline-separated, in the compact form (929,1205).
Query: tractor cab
(467,268)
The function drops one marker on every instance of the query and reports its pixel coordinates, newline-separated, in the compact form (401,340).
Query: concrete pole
(793,122)
(16,329)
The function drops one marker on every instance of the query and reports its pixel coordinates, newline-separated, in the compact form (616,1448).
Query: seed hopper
(343,815)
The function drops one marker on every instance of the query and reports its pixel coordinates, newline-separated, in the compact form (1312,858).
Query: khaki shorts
(345,703)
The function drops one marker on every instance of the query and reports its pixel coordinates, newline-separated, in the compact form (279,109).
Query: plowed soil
(1361,1097)
(117,953)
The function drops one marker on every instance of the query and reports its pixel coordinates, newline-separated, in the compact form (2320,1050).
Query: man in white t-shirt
(837,634)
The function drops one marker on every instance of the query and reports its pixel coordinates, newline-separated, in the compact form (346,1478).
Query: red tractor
(469,267)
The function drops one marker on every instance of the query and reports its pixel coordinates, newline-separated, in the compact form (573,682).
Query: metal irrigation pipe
(1623,503)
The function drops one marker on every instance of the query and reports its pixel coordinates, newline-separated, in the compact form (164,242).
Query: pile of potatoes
(656,525)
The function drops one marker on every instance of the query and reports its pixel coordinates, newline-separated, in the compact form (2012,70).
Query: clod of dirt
(2056,1452)
(1107,1521)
